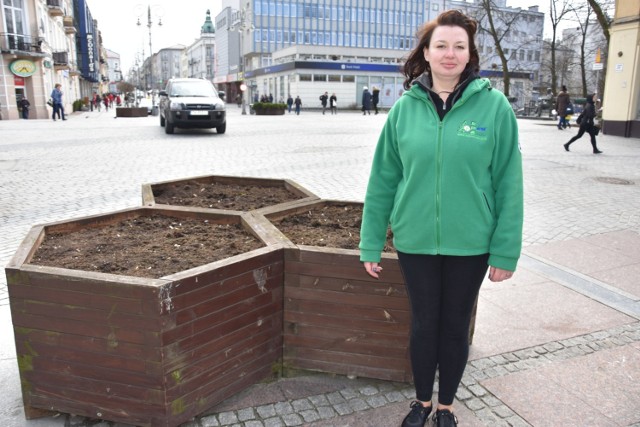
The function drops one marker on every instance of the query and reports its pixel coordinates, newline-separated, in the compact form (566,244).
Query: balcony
(69,26)
(61,60)
(55,7)
(20,45)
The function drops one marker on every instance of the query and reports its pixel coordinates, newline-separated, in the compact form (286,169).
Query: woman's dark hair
(416,65)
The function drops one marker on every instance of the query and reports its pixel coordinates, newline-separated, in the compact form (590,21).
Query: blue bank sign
(330,66)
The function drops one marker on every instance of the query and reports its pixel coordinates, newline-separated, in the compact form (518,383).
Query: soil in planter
(335,225)
(149,246)
(156,246)
(222,196)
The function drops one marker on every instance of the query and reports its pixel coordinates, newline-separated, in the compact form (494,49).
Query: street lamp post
(149,25)
(242,25)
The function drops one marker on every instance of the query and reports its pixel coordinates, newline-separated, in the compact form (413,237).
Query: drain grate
(614,181)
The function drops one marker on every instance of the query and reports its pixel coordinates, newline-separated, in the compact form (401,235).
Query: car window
(193,88)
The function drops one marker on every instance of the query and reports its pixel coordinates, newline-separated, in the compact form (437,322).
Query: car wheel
(161,120)
(168,127)
(222,128)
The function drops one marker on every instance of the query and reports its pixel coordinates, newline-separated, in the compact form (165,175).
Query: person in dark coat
(375,99)
(366,101)
(298,103)
(333,103)
(324,98)
(24,105)
(562,102)
(289,103)
(587,125)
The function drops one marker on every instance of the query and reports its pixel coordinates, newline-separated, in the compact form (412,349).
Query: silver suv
(191,103)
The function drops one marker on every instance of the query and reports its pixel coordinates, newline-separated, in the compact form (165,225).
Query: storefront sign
(90,48)
(18,81)
(23,67)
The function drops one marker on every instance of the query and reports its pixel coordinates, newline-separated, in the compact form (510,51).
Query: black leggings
(442,290)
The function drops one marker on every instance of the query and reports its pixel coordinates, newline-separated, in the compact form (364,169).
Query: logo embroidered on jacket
(472,130)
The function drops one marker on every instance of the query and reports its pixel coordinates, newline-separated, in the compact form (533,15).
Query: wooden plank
(69,357)
(212,339)
(105,332)
(391,373)
(72,311)
(257,280)
(89,344)
(354,344)
(216,391)
(184,381)
(30,370)
(375,287)
(344,322)
(60,279)
(348,301)
(75,387)
(269,304)
(355,271)
(349,359)
(128,412)
(397,340)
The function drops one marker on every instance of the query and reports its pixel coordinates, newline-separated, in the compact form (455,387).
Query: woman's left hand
(498,274)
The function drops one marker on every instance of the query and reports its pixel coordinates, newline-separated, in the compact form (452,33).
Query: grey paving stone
(253,423)
(246,414)
(283,408)
(227,418)
(292,420)
(343,408)
(309,416)
(266,411)
(368,390)
(209,421)
(273,422)
(376,401)
(319,400)
(301,405)
(326,412)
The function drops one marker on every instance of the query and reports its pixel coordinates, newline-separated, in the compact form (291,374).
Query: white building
(200,56)
(114,72)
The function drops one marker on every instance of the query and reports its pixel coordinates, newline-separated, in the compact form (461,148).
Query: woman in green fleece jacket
(447,178)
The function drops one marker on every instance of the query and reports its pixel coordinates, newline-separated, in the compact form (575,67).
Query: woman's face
(448,52)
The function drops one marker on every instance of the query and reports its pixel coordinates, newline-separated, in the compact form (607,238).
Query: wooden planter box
(149,352)
(132,112)
(269,111)
(300,194)
(337,318)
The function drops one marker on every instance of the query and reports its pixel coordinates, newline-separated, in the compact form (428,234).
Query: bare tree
(603,19)
(557,12)
(488,7)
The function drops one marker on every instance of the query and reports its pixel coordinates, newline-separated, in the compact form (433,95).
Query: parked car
(191,103)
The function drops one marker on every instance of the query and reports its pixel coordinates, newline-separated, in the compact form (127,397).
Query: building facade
(200,56)
(621,101)
(304,48)
(43,43)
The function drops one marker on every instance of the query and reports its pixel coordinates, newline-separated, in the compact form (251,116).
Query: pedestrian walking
(563,101)
(375,98)
(333,103)
(24,105)
(298,103)
(58,107)
(289,103)
(451,189)
(586,122)
(366,101)
(324,99)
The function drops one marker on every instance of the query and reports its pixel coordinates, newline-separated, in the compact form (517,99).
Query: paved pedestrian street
(559,344)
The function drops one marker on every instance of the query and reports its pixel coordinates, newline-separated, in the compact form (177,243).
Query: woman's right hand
(373,268)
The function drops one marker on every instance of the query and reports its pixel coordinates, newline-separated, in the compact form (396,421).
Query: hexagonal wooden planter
(150,352)
(298,193)
(337,318)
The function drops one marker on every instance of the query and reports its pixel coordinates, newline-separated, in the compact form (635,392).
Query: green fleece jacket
(451,186)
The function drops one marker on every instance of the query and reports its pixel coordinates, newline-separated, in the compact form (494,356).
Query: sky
(180,24)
